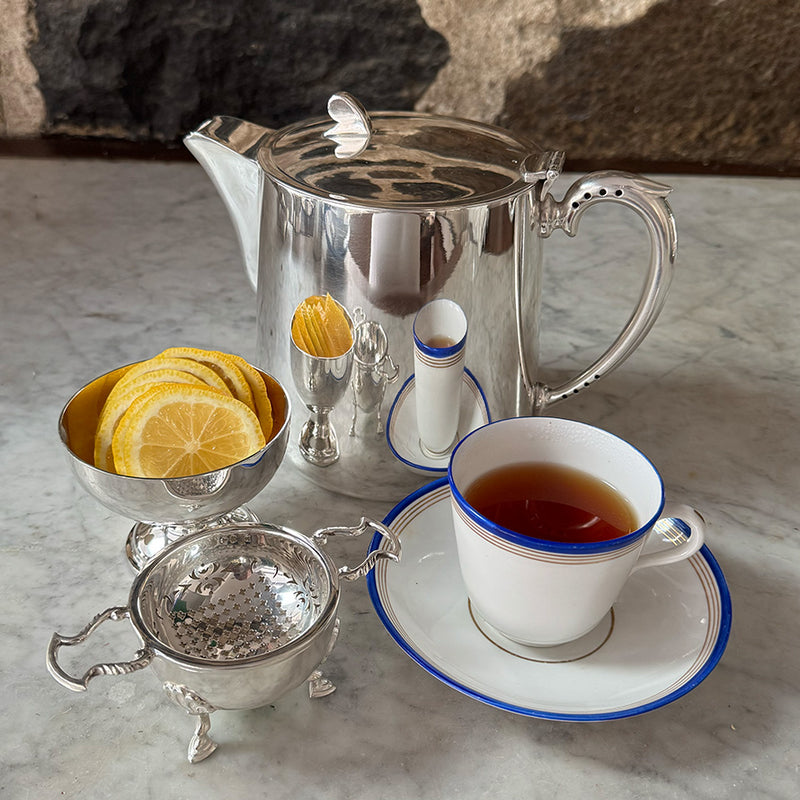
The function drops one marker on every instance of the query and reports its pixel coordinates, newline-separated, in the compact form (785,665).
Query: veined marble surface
(105,263)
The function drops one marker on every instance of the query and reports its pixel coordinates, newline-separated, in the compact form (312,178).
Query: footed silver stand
(232,618)
(201,745)
(147,539)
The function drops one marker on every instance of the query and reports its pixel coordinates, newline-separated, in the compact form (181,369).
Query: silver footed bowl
(168,509)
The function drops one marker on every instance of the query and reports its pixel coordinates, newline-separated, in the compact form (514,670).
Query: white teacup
(440,337)
(545,592)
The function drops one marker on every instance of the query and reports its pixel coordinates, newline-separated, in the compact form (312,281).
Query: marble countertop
(103,263)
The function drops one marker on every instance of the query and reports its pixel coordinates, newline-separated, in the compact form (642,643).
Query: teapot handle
(646,198)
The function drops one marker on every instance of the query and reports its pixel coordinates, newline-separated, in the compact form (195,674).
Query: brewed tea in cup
(551,517)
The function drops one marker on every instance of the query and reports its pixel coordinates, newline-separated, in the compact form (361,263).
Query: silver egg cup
(166,510)
(321,384)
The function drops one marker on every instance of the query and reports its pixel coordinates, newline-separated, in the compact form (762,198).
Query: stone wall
(675,82)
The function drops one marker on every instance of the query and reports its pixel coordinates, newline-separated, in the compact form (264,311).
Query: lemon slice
(312,313)
(300,334)
(320,327)
(175,430)
(337,327)
(222,364)
(118,401)
(202,371)
(260,396)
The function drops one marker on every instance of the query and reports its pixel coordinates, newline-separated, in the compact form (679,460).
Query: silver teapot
(389,210)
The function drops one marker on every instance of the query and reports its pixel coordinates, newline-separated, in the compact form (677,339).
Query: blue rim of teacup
(438,352)
(531,542)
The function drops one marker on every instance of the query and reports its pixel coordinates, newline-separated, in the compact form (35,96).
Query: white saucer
(665,634)
(401,425)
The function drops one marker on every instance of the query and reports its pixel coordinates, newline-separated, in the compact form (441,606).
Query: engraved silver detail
(647,198)
(140,660)
(201,745)
(391,552)
(373,369)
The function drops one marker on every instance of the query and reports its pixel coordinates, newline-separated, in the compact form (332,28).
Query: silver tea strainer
(232,618)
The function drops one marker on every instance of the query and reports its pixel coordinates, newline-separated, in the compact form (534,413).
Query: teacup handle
(392,552)
(140,660)
(646,198)
(671,525)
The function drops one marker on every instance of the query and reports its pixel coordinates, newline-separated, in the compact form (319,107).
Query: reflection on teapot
(373,369)
(401,260)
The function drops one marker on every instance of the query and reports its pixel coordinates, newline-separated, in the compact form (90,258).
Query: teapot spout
(226,148)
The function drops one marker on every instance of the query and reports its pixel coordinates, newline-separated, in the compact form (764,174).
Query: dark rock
(146,69)
(691,81)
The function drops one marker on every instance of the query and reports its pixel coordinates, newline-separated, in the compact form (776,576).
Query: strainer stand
(232,618)
(147,539)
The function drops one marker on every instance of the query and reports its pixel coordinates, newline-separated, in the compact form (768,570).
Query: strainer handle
(392,552)
(140,660)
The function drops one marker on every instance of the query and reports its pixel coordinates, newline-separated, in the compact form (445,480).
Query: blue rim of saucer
(711,662)
(531,543)
(445,462)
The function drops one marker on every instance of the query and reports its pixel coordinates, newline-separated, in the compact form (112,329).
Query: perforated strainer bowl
(232,618)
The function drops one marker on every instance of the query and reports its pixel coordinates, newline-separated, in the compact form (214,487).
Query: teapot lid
(403,160)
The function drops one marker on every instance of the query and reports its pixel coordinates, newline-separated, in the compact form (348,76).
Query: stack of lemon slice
(184,412)
(320,327)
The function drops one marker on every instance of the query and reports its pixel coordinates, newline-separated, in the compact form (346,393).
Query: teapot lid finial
(352,129)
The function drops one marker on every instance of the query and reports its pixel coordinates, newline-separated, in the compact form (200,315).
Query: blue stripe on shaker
(439,352)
